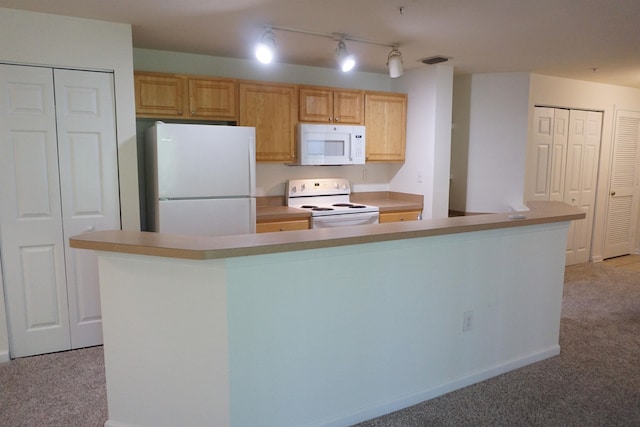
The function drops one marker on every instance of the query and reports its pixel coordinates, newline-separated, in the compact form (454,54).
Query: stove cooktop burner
(321,209)
(308,206)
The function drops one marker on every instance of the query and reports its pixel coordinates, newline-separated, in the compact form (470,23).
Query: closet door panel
(31,238)
(541,157)
(89,187)
(581,180)
(559,154)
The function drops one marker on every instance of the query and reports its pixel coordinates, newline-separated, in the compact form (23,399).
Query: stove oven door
(329,221)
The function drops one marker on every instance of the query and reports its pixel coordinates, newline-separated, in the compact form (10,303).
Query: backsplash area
(272,177)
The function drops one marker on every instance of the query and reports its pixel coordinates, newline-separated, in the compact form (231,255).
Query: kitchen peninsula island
(324,327)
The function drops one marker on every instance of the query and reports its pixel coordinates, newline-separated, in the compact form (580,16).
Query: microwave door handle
(351,147)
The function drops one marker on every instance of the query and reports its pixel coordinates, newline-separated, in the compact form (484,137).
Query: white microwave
(330,144)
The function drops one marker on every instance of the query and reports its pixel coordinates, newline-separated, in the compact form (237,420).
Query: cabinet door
(271,109)
(316,105)
(88,162)
(325,105)
(269,227)
(159,96)
(213,99)
(348,107)
(31,238)
(399,216)
(386,121)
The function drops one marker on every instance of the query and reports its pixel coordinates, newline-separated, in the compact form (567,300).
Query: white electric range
(328,201)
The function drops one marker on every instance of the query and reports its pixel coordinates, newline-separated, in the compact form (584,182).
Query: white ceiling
(565,38)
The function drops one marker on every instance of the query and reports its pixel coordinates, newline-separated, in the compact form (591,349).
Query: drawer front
(268,227)
(399,216)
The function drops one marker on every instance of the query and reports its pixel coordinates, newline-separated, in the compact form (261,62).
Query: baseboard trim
(4,357)
(428,394)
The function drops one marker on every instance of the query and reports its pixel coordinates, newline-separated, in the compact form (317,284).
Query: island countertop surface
(214,247)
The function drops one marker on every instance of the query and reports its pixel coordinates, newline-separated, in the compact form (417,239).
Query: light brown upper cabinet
(327,105)
(175,96)
(270,108)
(385,115)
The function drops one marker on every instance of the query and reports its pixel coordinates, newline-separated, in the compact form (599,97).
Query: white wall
(205,65)
(498,126)
(559,92)
(43,39)
(427,160)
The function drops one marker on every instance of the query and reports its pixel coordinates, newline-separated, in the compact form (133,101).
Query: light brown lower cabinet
(399,216)
(268,227)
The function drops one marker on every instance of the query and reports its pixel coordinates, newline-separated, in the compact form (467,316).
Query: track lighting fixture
(345,60)
(394,62)
(266,49)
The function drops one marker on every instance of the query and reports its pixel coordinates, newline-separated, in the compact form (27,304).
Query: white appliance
(331,144)
(328,201)
(200,179)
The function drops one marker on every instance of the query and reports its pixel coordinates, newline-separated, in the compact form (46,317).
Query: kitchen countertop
(209,247)
(390,201)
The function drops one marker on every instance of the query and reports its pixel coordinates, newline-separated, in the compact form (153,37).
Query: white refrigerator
(200,179)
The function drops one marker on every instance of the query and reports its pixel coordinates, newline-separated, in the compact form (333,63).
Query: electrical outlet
(467,321)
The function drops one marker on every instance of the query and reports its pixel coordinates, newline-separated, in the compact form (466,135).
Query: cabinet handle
(330,119)
(613,193)
(337,119)
(180,112)
(193,113)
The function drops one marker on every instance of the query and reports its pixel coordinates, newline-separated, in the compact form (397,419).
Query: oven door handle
(329,221)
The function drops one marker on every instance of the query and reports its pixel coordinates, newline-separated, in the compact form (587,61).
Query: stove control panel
(317,187)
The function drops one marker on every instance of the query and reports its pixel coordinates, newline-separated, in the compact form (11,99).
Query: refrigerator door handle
(252,167)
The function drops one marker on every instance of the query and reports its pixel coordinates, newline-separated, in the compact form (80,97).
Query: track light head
(266,49)
(345,60)
(394,62)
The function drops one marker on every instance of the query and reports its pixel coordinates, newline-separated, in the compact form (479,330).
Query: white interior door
(583,153)
(550,130)
(622,209)
(31,238)
(87,149)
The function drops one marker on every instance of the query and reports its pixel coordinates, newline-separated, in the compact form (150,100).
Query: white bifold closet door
(581,179)
(565,168)
(59,178)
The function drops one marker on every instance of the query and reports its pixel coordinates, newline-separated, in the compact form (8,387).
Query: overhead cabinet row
(274,110)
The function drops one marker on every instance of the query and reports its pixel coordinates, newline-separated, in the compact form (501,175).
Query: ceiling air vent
(434,60)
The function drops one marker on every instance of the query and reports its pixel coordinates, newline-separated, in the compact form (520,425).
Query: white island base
(327,336)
